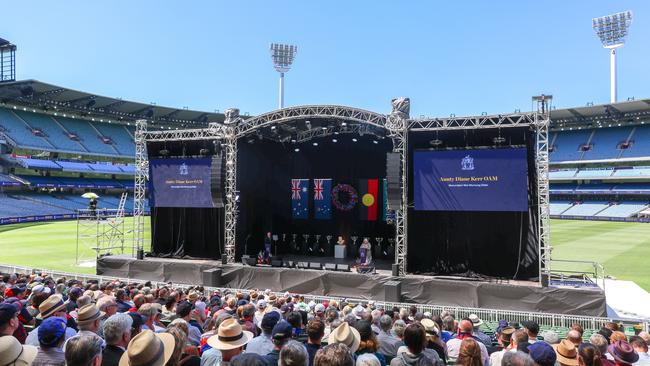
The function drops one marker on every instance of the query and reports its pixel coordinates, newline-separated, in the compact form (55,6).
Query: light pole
(282,55)
(611,30)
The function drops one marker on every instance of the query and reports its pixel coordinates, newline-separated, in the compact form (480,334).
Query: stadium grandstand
(57,143)
(600,162)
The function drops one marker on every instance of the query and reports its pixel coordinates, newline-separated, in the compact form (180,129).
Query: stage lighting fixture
(293,141)
(375,142)
(282,56)
(335,140)
(612,30)
(296,150)
(204,151)
(324,128)
(435,142)
(163,152)
(354,139)
(343,124)
(272,127)
(499,140)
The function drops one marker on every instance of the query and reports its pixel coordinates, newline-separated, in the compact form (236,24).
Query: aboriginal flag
(368,197)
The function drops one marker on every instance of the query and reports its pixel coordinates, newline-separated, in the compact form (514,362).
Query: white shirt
(32,337)
(453,348)
(644,359)
(497,357)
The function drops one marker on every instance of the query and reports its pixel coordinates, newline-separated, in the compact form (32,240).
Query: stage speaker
(330,266)
(393,291)
(212,277)
(395,270)
(343,267)
(276,262)
(224,259)
(393,168)
(217,182)
(315,265)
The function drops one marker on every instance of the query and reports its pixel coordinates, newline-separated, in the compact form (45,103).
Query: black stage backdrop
(499,244)
(185,232)
(265,170)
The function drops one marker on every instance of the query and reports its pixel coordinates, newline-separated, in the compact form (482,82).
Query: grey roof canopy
(36,94)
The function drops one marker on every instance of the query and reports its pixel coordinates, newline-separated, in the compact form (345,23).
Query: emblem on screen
(182,170)
(467,163)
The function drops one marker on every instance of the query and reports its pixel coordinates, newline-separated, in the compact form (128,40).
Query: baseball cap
(7,311)
(542,353)
(282,330)
(184,308)
(270,319)
(51,330)
(319,308)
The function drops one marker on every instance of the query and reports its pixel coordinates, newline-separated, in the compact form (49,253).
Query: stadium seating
(567,145)
(594,173)
(623,209)
(122,138)
(558,207)
(565,173)
(89,136)
(6,180)
(605,142)
(640,143)
(587,208)
(54,133)
(21,133)
(632,172)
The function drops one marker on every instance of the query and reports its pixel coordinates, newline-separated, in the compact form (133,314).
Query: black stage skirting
(415,289)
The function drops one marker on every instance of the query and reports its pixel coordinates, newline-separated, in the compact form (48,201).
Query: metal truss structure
(397,125)
(542,122)
(139,191)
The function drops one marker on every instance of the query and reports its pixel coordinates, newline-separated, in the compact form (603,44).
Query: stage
(504,295)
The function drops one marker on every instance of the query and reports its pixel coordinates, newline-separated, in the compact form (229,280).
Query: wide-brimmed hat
(89,313)
(50,306)
(347,335)
(623,352)
(230,335)
(430,326)
(14,353)
(506,334)
(567,353)
(476,321)
(148,348)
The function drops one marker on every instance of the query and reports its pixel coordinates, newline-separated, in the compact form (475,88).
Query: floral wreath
(349,191)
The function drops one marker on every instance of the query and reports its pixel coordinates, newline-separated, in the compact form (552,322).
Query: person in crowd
(83,350)
(641,348)
(183,354)
(53,306)
(433,338)
(388,343)
(542,353)
(575,337)
(623,353)
(367,359)
(520,340)
(23,317)
(151,317)
(263,344)
(398,330)
(347,335)
(532,328)
(517,358)
(645,336)
(617,335)
(88,320)
(315,333)
(122,300)
(567,353)
(413,353)
(506,344)
(117,334)
(230,340)
(589,355)
(600,342)
(293,354)
(477,333)
(368,342)
(465,330)
(148,348)
(247,315)
(184,311)
(14,353)
(449,327)
(282,333)
(51,335)
(578,328)
(8,319)
(469,353)
(336,354)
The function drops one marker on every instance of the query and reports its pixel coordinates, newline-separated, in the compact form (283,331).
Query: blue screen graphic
(180,182)
(471,180)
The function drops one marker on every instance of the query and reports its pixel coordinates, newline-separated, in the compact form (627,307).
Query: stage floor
(520,295)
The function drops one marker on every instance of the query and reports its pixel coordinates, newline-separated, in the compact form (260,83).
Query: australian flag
(322,199)
(299,198)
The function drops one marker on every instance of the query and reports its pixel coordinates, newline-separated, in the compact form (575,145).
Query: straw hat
(430,327)
(12,352)
(89,313)
(476,321)
(148,348)
(347,335)
(50,306)
(566,351)
(230,335)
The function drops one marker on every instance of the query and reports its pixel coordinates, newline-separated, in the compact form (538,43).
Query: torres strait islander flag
(322,199)
(369,199)
(299,198)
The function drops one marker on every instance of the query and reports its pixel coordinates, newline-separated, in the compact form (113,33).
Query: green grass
(53,245)
(623,248)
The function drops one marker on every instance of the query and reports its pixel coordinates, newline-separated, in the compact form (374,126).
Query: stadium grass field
(623,248)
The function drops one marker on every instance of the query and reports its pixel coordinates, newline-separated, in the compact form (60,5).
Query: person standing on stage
(268,242)
(365,255)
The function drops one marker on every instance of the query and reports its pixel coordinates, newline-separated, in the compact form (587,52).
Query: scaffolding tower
(101,230)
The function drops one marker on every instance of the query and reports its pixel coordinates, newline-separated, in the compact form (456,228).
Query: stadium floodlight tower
(282,55)
(611,30)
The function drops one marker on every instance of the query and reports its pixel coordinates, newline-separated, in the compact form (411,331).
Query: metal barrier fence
(491,315)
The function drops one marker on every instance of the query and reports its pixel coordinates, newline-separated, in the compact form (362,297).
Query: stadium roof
(36,94)
(630,112)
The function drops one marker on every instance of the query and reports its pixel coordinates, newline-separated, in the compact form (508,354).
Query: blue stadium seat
(640,143)
(623,209)
(55,134)
(122,139)
(632,172)
(21,133)
(88,135)
(590,208)
(567,145)
(605,142)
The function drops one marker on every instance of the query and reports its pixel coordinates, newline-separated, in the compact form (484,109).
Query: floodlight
(282,56)
(612,30)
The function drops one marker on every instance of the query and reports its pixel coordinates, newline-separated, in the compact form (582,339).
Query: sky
(449,57)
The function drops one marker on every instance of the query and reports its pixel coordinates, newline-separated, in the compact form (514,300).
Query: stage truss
(397,125)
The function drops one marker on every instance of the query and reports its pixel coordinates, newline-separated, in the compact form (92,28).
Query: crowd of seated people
(56,321)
